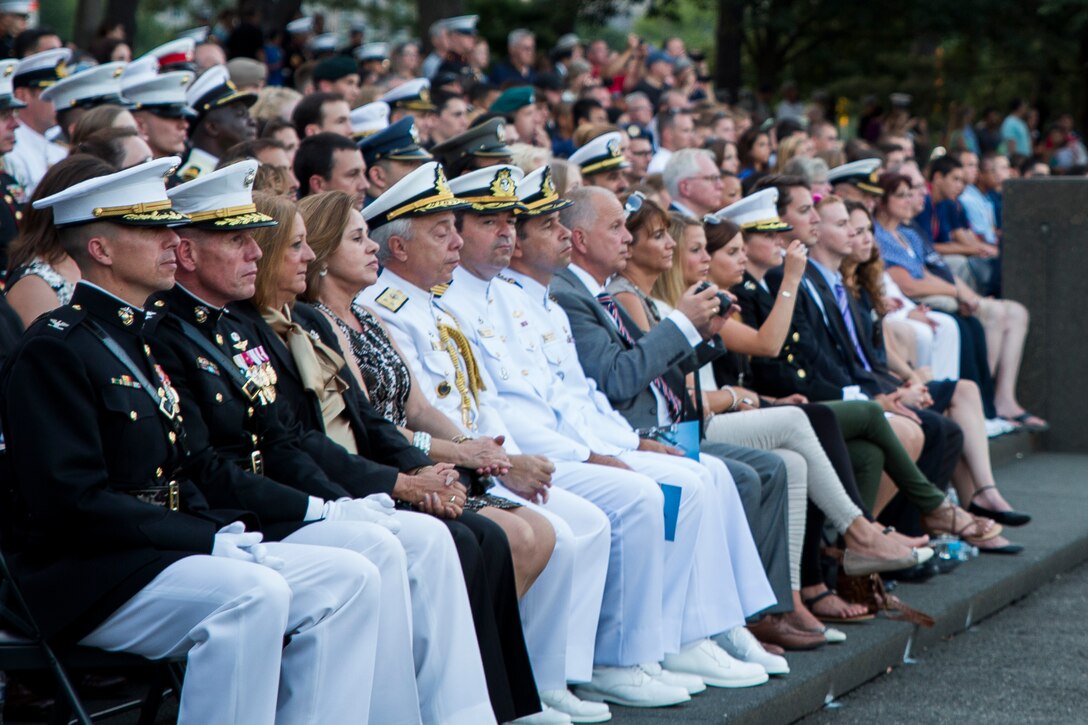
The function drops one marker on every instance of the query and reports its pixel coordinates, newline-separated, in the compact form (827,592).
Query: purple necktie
(844,308)
(675,406)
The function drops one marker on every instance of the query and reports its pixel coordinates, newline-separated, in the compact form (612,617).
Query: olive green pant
(874,449)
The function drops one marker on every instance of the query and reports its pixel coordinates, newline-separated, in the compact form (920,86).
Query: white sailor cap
(163,95)
(91,87)
(462,24)
(324,43)
(175,55)
(369,119)
(372,51)
(15,7)
(423,191)
(135,196)
(489,190)
(601,154)
(212,89)
(864,174)
(222,200)
(146,66)
(756,213)
(197,35)
(538,194)
(7,100)
(413,95)
(42,69)
(299,26)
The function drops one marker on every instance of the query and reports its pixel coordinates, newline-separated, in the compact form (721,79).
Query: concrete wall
(1045,252)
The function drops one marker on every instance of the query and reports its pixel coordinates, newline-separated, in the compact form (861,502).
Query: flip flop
(1023,419)
(834,620)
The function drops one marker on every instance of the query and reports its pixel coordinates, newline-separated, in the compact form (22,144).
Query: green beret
(512,99)
(334,68)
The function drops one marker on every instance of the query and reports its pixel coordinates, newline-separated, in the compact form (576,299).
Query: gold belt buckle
(173,496)
(256,461)
(256,389)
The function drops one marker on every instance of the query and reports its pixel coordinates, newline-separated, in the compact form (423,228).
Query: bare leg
(974,471)
(1008,361)
(531,538)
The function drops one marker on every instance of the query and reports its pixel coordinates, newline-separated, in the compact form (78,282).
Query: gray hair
(814,169)
(636,96)
(580,214)
(683,164)
(518,34)
(397,228)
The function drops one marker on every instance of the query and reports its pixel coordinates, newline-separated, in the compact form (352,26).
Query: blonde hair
(273,242)
(326,216)
(670,286)
(529,158)
(275,102)
(788,149)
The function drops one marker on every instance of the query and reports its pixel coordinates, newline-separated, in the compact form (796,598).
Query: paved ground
(1026,664)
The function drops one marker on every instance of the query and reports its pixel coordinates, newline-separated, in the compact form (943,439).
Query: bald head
(599,237)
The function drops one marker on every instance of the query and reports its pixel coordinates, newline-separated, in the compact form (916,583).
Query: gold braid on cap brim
(423,206)
(148,212)
(606,165)
(544,206)
(493,203)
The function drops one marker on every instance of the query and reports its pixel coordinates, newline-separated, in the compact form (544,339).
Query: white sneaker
(692,683)
(743,645)
(630,686)
(547,716)
(579,711)
(715,666)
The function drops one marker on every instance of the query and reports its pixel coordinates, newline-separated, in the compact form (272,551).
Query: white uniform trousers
(426,624)
(938,349)
(629,631)
(231,616)
(566,598)
(712,602)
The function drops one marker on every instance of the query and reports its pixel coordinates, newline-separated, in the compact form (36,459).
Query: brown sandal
(945,522)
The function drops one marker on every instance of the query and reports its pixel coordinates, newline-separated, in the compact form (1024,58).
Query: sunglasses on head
(712,219)
(633,204)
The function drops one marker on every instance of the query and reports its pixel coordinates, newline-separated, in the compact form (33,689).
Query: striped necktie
(676,408)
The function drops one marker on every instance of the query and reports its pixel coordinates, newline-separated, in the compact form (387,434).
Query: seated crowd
(396,389)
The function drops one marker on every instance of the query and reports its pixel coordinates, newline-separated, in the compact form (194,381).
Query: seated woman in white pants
(786,431)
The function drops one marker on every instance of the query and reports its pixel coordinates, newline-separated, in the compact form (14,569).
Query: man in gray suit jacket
(642,374)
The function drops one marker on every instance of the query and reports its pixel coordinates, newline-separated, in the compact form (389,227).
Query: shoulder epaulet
(59,322)
(392,299)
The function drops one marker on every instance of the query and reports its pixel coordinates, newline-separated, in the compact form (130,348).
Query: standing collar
(193,309)
(104,306)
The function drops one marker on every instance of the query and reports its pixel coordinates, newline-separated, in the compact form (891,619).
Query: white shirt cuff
(315,510)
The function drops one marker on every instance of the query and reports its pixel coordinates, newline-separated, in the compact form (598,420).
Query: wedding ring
(453,499)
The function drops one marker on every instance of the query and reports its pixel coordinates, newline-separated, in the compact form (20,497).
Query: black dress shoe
(915,574)
(1006,518)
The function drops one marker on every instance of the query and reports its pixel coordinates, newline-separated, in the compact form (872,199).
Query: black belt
(167,496)
(254,463)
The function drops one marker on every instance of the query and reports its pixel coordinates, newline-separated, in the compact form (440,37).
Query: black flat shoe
(1006,518)
(913,575)
(1007,549)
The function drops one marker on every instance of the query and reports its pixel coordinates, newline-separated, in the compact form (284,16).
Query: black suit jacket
(225,426)
(81,434)
(383,450)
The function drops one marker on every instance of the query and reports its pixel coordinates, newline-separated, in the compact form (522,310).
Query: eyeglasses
(711,178)
(633,204)
(903,195)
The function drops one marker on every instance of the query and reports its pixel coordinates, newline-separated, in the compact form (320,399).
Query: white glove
(233,542)
(374,509)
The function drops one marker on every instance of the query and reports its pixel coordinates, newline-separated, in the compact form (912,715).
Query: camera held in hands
(725,302)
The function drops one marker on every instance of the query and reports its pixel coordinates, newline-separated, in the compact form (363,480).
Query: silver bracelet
(422,441)
(736,401)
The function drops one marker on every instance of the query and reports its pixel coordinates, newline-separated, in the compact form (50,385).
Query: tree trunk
(730,41)
(88,16)
(428,11)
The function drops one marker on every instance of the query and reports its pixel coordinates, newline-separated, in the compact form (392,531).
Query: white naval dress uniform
(587,409)
(231,616)
(31,157)
(567,595)
(699,588)
(426,621)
